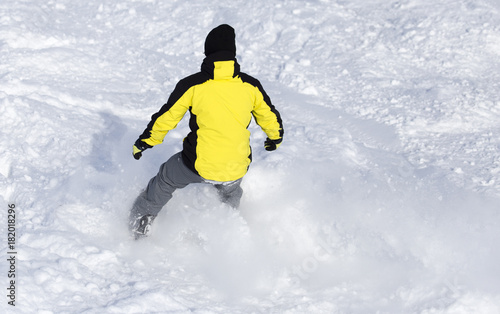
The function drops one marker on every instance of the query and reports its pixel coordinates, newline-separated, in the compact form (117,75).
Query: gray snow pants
(174,174)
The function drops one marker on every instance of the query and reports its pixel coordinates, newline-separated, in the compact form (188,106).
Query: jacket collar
(222,70)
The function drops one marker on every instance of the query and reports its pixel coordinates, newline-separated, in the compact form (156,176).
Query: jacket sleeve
(266,115)
(169,115)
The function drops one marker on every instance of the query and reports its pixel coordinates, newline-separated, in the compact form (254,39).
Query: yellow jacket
(221,101)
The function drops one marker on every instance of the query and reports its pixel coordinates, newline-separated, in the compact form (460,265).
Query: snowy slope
(382,199)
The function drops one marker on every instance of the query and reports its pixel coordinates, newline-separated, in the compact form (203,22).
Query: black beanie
(220,38)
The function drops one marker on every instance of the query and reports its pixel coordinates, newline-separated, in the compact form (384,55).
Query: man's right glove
(271,145)
(139,147)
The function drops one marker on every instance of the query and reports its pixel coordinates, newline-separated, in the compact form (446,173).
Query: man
(221,101)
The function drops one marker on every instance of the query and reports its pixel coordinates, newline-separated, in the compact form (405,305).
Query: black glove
(139,147)
(271,145)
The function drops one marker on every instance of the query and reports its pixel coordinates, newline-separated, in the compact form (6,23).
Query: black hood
(208,63)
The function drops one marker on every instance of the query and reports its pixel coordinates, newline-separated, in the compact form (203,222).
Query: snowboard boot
(141,226)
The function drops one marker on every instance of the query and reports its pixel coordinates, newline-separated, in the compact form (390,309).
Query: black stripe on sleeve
(253,81)
(180,89)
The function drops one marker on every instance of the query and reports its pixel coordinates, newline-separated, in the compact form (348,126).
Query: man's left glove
(139,147)
(271,145)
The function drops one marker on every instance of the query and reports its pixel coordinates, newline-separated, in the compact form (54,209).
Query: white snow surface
(383,198)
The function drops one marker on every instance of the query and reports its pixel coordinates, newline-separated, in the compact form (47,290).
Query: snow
(383,198)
